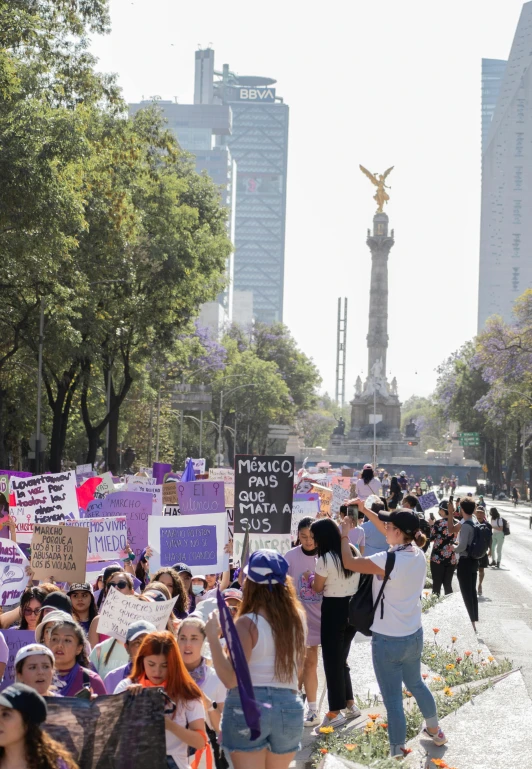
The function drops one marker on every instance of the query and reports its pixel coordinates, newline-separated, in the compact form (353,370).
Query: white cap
(31,650)
(53,616)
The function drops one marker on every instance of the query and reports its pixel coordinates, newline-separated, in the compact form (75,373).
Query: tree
(428,420)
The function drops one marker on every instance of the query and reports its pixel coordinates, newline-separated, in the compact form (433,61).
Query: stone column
(379,243)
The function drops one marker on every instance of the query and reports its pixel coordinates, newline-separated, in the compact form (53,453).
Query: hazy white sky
(380,83)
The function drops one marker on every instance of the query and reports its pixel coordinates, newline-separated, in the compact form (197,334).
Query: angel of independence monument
(376,409)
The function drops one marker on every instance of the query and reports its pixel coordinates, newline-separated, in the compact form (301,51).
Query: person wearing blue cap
(271,626)
(136,633)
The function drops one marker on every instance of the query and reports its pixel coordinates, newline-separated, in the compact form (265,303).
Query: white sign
(198,465)
(339,497)
(305,509)
(13,577)
(148,471)
(120,611)
(107,538)
(49,498)
(106,487)
(224,474)
(197,540)
(139,480)
(82,469)
(155,490)
(280,542)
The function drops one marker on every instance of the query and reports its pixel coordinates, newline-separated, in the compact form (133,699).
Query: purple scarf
(199,674)
(65,680)
(250,707)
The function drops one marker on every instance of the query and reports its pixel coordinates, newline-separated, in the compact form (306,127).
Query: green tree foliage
(427,417)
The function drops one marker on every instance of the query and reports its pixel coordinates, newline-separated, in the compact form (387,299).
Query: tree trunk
(112,449)
(3,448)
(61,405)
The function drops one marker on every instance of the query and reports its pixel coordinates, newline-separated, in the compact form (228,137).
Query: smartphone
(84,694)
(451,498)
(352,512)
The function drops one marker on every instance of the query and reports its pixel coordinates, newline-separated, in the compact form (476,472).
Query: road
(505,609)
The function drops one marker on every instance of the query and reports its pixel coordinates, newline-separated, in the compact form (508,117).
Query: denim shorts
(281,724)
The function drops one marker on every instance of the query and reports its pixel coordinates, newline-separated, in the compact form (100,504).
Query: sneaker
(334,721)
(351,712)
(311,718)
(438,738)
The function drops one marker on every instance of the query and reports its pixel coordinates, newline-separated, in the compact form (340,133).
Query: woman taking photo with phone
(397,633)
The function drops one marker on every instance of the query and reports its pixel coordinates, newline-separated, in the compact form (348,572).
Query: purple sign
(15,473)
(135,505)
(189,544)
(15,640)
(426,501)
(306,497)
(201,497)
(159,471)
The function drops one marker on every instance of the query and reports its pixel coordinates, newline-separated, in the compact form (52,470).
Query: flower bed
(453,667)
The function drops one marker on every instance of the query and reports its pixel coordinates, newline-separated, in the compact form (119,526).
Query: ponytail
(420,539)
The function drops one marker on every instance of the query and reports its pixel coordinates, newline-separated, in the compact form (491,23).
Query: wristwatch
(214,706)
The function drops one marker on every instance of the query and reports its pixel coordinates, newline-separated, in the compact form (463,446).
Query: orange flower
(439,762)
(459,659)
(351,746)
(468,654)
(424,675)
(384,726)
(408,694)
(454,639)
(491,659)
(406,751)
(435,630)
(374,716)
(323,750)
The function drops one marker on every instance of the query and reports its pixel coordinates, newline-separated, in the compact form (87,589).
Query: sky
(380,84)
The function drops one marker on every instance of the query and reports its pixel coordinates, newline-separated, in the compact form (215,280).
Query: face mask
(197,589)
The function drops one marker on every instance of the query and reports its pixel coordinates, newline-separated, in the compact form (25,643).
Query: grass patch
(428,600)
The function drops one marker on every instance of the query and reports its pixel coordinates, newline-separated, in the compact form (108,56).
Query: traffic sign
(469,439)
(192,398)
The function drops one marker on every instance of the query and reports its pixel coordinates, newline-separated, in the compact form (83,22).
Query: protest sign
(59,553)
(171,510)
(82,469)
(140,480)
(197,540)
(325,496)
(49,498)
(201,497)
(197,464)
(107,538)
(106,487)
(119,611)
(4,486)
(304,505)
(428,500)
(343,481)
(156,491)
(160,469)
(225,474)
(347,472)
(15,640)
(147,471)
(169,493)
(231,522)
(339,496)
(13,577)
(263,501)
(229,494)
(135,505)
(119,732)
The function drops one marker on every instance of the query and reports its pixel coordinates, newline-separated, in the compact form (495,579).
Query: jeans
(442,574)
(496,544)
(336,637)
(397,660)
(467,573)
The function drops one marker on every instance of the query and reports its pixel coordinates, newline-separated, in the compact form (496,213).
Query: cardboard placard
(119,611)
(280,542)
(156,491)
(339,496)
(197,540)
(224,474)
(13,577)
(197,497)
(140,480)
(426,501)
(82,469)
(264,489)
(50,499)
(229,494)
(169,493)
(107,486)
(326,496)
(107,538)
(343,481)
(15,640)
(304,505)
(59,553)
(347,472)
(135,505)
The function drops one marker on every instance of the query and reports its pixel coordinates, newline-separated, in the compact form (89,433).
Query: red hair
(180,685)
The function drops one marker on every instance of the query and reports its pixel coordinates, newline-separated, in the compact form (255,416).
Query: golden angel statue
(381,196)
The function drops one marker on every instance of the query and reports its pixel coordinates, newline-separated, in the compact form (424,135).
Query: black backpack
(361,607)
(481,540)
(505,527)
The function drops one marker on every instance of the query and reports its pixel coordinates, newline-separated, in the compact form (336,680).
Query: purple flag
(159,471)
(189,474)
(250,707)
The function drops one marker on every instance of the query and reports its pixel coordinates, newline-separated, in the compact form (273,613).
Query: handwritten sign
(197,540)
(229,494)
(83,469)
(135,505)
(59,553)
(224,474)
(49,498)
(156,491)
(428,500)
(107,486)
(15,640)
(139,480)
(325,496)
(169,493)
(304,505)
(341,480)
(107,538)
(13,577)
(201,497)
(4,485)
(339,496)
(119,611)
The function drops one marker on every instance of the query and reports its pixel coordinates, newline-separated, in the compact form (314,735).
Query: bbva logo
(253,94)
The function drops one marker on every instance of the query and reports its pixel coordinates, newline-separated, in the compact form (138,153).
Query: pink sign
(201,497)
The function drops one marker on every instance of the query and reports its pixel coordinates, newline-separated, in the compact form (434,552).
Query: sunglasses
(120,585)
(232,609)
(28,612)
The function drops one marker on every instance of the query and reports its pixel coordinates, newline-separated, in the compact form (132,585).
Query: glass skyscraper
(492,75)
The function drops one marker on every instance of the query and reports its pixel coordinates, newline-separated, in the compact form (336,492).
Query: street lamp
(220,434)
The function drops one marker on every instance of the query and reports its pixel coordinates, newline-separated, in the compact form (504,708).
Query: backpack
(505,527)
(481,540)
(361,607)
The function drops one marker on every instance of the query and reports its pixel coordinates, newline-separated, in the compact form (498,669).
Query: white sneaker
(335,721)
(351,712)
(312,718)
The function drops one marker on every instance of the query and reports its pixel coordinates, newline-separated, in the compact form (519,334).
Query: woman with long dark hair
(30,607)
(174,583)
(23,744)
(67,642)
(367,484)
(271,626)
(338,585)
(83,604)
(117,580)
(159,665)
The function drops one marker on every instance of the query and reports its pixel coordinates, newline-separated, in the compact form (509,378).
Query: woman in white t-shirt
(397,632)
(497,524)
(367,484)
(338,585)
(159,665)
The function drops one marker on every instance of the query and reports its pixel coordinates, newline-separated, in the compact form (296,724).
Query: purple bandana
(250,707)
(199,674)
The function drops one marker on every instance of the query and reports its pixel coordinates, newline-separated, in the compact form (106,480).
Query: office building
(202,130)
(492,74)
(259,144)
(506,224)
